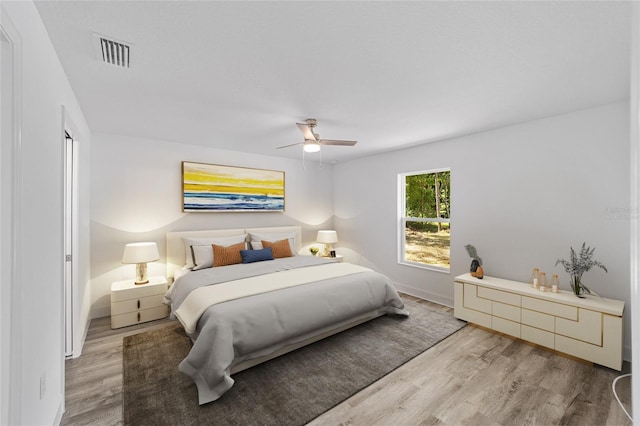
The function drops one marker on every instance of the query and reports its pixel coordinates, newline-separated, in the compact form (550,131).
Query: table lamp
(328,238)
(140,254)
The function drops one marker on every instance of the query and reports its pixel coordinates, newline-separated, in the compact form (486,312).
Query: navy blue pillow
(250,256)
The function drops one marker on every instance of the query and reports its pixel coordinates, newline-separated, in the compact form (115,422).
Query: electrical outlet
(43,384)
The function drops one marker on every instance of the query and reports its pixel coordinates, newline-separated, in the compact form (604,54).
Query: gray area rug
(290,390)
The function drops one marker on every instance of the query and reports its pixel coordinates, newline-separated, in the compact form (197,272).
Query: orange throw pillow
(229,255)
(278,248)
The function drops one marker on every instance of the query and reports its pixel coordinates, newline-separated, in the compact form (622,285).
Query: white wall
(38,315)
(136,189)
(522,195)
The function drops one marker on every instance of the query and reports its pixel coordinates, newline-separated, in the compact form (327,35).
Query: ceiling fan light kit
(312,141)
(311,146)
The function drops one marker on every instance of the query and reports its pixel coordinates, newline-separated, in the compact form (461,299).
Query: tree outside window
(425,225)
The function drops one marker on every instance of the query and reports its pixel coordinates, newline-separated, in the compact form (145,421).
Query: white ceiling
(239,75)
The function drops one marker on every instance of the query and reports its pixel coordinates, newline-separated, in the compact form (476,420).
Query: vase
(474,267)
(576,285)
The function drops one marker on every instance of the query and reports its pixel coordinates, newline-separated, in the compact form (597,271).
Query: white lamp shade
(327,237)
(140,252)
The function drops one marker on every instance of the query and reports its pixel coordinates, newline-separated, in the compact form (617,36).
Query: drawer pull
(138,316)
(138,303)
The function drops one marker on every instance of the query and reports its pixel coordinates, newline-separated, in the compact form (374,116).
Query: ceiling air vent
(112,51)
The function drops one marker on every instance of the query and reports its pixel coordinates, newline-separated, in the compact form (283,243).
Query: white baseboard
(60,412)
(78,351)
(426,295)
(104,311)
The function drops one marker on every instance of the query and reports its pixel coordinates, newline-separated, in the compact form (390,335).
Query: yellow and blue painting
(211,187)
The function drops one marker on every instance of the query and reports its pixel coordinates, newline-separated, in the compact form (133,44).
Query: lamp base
(141,274)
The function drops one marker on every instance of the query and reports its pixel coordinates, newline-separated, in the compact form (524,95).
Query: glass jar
(533,281)
(555,283)
(542,281)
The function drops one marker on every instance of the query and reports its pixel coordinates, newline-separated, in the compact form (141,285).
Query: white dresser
(590,329)
(133,304)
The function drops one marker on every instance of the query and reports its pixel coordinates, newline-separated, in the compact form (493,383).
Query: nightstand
(339,258)
(133,304)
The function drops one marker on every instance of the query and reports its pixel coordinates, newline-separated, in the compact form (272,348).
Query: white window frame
(403,219)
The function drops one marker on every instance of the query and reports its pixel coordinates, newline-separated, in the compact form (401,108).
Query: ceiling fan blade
(337,142)
(306,131)
(287,146)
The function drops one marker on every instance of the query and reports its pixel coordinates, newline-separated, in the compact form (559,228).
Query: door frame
(70,231)
(70,275)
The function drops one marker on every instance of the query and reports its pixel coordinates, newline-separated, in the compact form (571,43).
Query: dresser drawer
(509,312)
(472,301)
(538,320)
(479,318)
(551,308)
(133,305)
(537,336)
(505,326)
(132,318)
(144,290)
(588,327)
(499,296)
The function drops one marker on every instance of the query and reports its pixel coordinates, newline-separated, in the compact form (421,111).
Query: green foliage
(427,226)
(421,200)
(579,264)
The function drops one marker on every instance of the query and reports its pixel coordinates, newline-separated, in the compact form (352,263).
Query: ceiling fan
(312,140)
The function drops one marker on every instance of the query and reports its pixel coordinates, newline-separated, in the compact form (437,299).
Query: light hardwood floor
(474,377)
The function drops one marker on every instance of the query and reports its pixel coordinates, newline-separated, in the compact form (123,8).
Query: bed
(240,315)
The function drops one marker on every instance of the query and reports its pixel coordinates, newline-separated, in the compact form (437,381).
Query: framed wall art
(216,188)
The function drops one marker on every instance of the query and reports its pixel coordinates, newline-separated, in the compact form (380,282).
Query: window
(425,225)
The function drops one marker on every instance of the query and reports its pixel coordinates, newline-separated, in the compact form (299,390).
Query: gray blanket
(235,331)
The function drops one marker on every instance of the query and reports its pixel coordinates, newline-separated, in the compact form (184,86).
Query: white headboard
(175,244)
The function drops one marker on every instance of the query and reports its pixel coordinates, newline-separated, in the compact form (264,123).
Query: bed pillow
(230,255)
(256,239)
(203,256)
(250,256)
(207,241)
(279,248)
